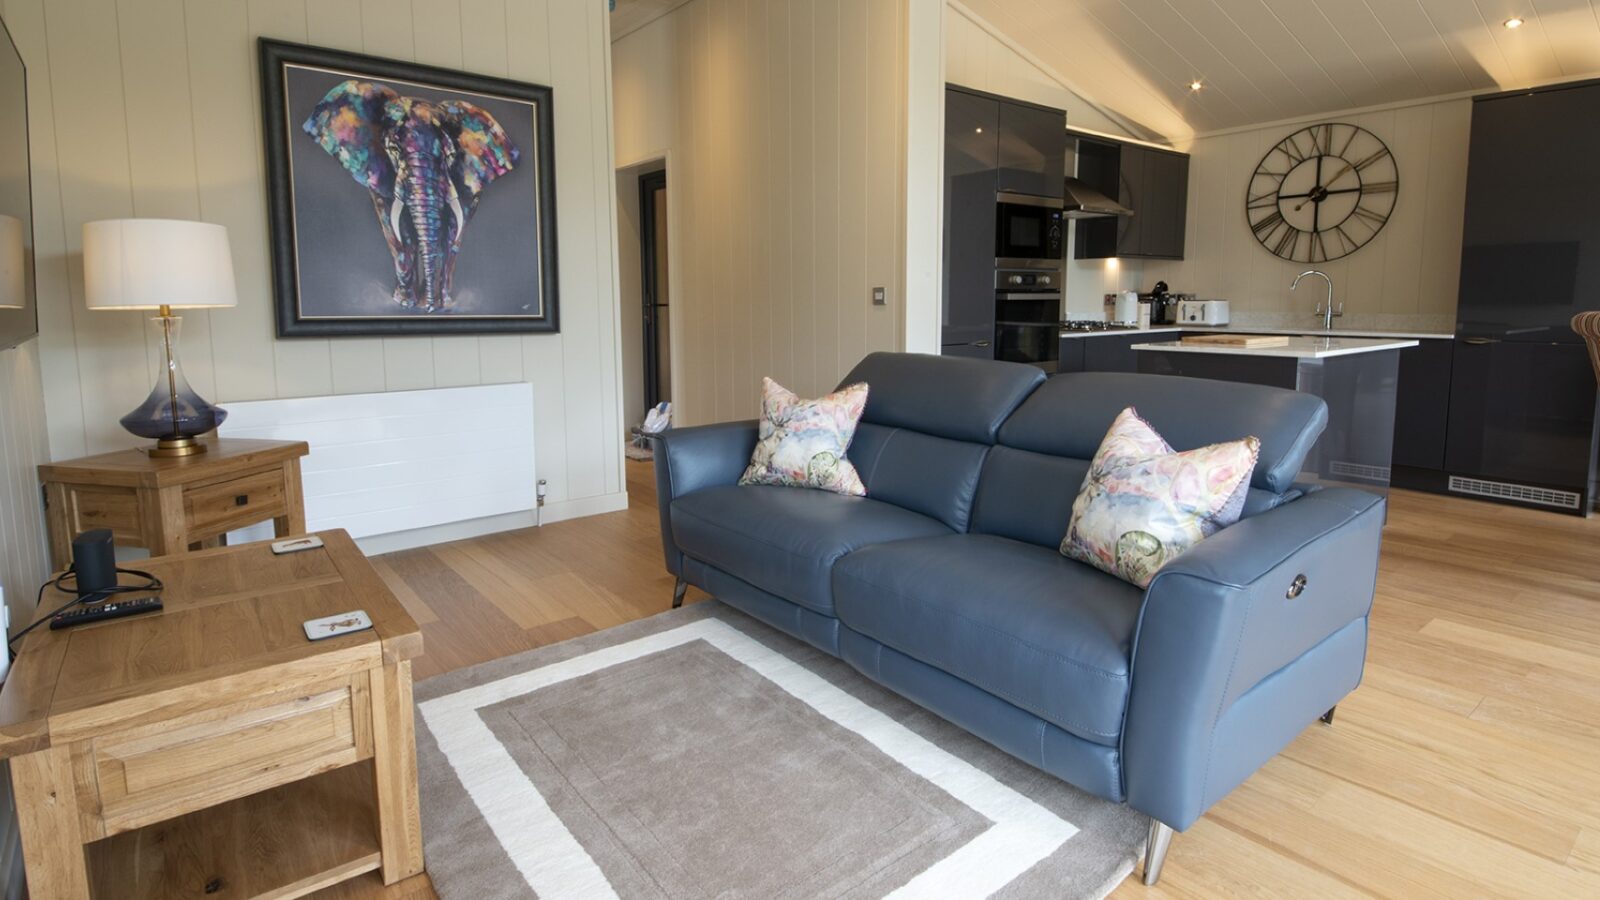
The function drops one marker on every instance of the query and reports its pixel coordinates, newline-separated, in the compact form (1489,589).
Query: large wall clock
(1322,193)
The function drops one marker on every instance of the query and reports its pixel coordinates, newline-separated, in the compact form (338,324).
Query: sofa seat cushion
(1049,635)
(784,540)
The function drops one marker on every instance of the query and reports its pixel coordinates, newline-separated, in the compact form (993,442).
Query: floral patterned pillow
(1143,505)
(802,443)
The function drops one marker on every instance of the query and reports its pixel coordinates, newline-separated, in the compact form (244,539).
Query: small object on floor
(97,612)
(295,545)
(657,420)
(335,625)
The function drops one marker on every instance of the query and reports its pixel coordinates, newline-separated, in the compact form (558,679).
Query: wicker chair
(1587,324)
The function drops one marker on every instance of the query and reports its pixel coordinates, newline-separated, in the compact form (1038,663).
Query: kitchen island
(1357,377)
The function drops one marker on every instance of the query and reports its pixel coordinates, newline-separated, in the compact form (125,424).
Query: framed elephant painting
(406,199)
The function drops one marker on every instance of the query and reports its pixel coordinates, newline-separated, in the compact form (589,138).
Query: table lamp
(13,264)
(162,264)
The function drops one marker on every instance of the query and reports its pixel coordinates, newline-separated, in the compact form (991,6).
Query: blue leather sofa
(945,584)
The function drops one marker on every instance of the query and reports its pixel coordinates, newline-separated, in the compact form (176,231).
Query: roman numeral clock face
(1322,193)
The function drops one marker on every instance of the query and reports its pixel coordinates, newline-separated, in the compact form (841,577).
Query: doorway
(653,281)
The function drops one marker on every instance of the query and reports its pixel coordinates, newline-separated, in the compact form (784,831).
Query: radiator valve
(540,490)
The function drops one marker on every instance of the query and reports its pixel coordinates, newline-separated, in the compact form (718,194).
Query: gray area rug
(700,753)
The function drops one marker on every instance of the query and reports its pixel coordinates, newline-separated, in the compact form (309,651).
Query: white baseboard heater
(402,460)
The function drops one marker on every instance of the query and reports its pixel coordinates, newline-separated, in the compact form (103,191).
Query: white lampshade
(13,264)
(149,263)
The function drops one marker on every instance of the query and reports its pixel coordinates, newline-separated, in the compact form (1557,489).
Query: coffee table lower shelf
(285,842)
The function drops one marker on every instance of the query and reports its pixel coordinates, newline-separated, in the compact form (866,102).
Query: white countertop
(1297,348)
(1306,332)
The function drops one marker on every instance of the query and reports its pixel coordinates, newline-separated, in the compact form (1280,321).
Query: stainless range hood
(1084,202)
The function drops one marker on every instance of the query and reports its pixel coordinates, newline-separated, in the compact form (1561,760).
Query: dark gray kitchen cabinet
(971,162)
(1166,205)
(1153,183)
(1071,355)
(1033,149)
(1422,405)
(1114,353)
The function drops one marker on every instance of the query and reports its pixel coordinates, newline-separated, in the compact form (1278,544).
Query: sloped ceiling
(1265,60)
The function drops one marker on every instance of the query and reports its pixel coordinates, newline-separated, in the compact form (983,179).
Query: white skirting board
(405,463)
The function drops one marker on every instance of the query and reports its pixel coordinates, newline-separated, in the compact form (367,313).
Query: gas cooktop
(1095,325)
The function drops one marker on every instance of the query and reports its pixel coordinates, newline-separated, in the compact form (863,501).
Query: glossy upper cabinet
(1033,149)
(1153,183)
(971,163)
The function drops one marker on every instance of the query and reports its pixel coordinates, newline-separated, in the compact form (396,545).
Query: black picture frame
(277,60)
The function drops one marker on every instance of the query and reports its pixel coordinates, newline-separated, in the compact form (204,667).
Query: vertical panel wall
(1406,278)
(151,108)
(781,123)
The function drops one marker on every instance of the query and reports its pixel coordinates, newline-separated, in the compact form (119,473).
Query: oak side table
(210,749)
(171,505)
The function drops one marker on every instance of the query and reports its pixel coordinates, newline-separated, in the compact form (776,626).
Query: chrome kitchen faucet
(1326,310)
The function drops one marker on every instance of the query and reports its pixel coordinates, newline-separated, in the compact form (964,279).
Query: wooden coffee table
(212,750)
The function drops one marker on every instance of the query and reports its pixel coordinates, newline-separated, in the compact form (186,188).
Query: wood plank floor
(1466,765)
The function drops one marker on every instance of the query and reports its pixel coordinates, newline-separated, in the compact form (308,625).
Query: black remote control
(116,609)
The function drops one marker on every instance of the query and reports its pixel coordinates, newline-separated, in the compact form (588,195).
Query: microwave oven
(1029,230)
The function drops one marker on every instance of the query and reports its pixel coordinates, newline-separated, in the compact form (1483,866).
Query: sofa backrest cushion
(1027,496)
(1069,417)
(931,475)
(929,422)
(945,396)
(1031,478)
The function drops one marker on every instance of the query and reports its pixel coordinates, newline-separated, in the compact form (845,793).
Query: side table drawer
(242,501)
(153,772)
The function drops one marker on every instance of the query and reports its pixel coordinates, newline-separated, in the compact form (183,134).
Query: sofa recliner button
(1295,587)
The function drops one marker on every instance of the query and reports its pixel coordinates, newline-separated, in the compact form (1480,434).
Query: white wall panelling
(783,127)
(404,460)
(1406,277)
(151,108)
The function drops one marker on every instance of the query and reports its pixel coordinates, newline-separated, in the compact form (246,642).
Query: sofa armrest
(1226,618)
(688,459)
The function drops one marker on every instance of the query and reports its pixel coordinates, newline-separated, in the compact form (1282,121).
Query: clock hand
(1347,167)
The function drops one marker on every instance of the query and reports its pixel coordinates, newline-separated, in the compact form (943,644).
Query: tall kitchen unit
(1003,165)
(1522,420)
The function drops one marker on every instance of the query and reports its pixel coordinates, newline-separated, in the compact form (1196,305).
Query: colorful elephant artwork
(426,164)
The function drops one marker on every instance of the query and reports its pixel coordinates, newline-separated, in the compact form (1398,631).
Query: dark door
(1132,194)
(1033,149)
(1166,204)
(653,279)
(1422,405)
(1531,243)
(972,127)
(1113,352)
(1522,412)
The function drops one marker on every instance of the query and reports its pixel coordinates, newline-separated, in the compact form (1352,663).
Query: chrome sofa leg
(1155,851)
(1327,717)
(678,590)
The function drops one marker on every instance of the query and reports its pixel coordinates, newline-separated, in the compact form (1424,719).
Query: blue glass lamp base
(174,415)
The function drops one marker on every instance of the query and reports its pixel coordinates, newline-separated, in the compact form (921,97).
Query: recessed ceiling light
(978,130)
(1195,85)
(1513,22)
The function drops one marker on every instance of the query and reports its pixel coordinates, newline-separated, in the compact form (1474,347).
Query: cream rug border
(555,865)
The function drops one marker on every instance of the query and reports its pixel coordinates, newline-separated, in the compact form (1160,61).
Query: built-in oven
(1027,313)
(1029,231)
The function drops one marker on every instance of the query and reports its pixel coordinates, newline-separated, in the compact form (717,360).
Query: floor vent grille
(1376,474)
(1501,490)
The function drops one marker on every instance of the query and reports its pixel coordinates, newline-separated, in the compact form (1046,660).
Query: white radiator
(402,460)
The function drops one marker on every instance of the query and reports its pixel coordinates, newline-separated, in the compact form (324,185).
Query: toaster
(1203,312)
